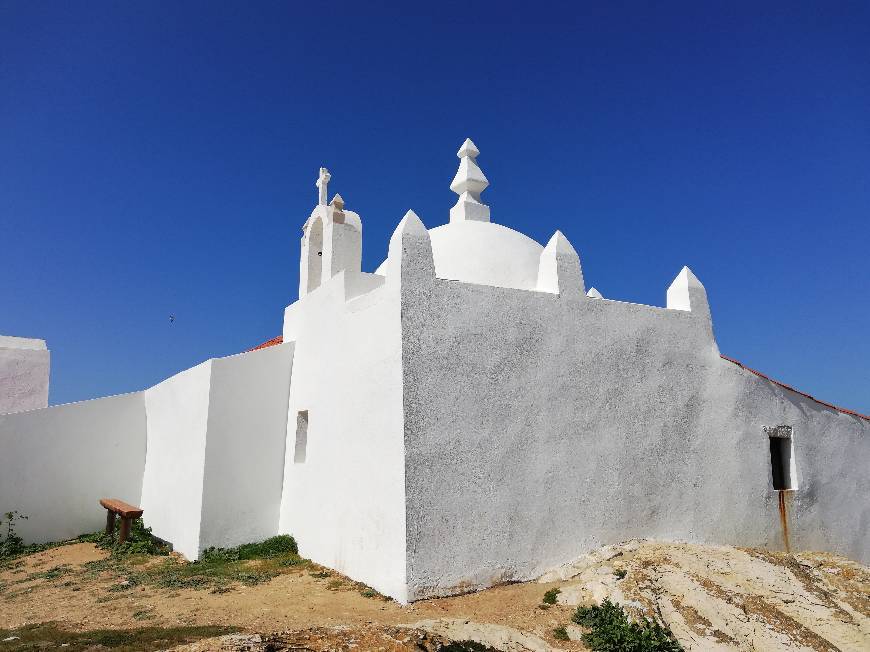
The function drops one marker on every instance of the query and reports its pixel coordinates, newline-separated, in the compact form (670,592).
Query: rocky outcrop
(725,598)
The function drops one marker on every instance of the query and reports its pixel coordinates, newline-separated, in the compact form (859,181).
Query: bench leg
(110,522)
(125,530)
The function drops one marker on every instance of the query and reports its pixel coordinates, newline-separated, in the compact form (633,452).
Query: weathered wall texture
(539,427)
(56,463)
(345,502)
(24,372)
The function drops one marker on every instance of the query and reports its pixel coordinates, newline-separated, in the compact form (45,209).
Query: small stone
(574,632)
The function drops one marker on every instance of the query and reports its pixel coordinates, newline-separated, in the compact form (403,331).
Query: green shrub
(217,568)
(272,547)
(613,632)
(149,639)
(143,614)
(11,545)
(467,646)
(550,596)
(561,634)
(140,541)
(51,574)
(620,573)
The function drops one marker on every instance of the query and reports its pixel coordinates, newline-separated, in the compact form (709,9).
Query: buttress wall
(216,436)
(343,496)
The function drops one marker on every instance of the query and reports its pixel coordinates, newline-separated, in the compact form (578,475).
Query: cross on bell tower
(321,184)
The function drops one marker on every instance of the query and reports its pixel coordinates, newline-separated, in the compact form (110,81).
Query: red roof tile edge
(273,342)
(280,339)
(796,391)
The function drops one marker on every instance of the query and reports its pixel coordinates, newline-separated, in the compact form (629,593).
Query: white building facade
(465,415)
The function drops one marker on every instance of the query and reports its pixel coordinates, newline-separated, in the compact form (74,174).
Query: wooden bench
(122,509)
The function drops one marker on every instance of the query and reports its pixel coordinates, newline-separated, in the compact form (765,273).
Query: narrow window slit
(782,469)
(301,437)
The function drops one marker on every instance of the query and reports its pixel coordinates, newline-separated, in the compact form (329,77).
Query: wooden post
(125,529)
(110,522)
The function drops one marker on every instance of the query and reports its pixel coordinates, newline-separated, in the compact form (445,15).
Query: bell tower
(331,240)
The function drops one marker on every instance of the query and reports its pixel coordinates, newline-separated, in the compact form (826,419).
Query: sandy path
(713,598)
(287,602)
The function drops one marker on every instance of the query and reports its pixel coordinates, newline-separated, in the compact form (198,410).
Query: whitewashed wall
(56,463)
(345,502)
(174,464)
(539,428)
(215,461)
(24,373)
(211,473)
(244,453)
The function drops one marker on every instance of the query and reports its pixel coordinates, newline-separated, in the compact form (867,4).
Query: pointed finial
(559,270)
(322,181)
(468,183)
(411,224)
(337,202)
(561,244)
(594,294)
(469,177)
(686,292)
(468,149)
(409,260)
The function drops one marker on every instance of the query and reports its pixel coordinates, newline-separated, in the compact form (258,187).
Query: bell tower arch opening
(315,254)
(331,241)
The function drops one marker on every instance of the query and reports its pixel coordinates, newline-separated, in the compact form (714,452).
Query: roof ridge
(796,391)
(273,342)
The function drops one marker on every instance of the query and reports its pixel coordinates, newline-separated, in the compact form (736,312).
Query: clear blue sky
(159,158)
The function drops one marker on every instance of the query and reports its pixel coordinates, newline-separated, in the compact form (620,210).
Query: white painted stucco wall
(175,461)
(24,373)
(345,503)
(215,461)
(540,426)
(56,463)
(244,452)
(202,453)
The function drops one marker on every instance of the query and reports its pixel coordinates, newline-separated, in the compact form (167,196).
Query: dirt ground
(287,603)
(713,597)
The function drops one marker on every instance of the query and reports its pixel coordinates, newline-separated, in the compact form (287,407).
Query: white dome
(484,253)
